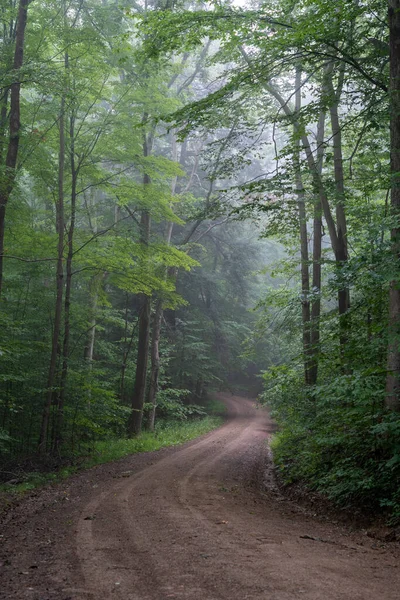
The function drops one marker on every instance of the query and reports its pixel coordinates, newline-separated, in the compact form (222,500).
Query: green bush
(337,438)
(103,451)
(171,406)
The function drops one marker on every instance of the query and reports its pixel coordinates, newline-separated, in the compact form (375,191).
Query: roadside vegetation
(166,434)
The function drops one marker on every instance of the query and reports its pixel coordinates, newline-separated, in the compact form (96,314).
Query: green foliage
(337,438)
(171,406)
(167,434)
(86,60)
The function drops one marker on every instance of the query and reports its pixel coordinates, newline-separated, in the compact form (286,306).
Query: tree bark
(158,314)
(316,261)
(392,399)
(304,262)
(139,390)
(59,285)
(4,94)
(94,287)
(340,200)
(68,288)
(7,185)
(155,363)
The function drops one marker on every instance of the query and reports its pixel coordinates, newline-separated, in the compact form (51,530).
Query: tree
(393,362)
(9,162)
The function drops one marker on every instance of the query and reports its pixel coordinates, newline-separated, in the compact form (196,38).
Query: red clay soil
(188,523)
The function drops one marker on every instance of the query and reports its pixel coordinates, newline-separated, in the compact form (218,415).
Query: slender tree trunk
(139,390)
(158,314)
(89,347)
(316,261)
(68,289)
(59,285)
(155,343)
(319,190)
(340,198)
(338,244)
(125,353)
(305,277)
(305,273)
(155,363)
(4,94)
(94,287)
(392,400)
(7,185)
(91,336)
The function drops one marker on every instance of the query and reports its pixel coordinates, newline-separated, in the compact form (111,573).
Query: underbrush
(166,434)
(337,439)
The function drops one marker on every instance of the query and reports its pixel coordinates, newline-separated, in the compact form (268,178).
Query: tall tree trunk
(155,363)
(126,350)
(316,261)
(158,313)
(392,400)
(68,288)
(59,285)
(341,223)
(91,337)
(4,94)
(139,390)
(155,342)
(305,273)
(15,126)
(94,287)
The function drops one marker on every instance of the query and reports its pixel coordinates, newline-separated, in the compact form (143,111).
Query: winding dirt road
(189,523)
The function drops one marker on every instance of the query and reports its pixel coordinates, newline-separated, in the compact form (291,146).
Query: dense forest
(201,196)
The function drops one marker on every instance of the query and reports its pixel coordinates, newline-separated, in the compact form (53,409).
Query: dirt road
(188,523)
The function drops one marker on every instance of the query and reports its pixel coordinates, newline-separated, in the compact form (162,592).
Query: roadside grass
(167,434)
(104,451)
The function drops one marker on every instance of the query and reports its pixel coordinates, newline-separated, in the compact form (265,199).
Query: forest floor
(203,521)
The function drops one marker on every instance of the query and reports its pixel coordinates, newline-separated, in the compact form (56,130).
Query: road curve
(191,525)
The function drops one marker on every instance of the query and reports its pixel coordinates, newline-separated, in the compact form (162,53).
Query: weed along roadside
(106,451)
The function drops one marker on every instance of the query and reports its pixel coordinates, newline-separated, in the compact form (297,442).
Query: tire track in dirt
(132,527)
(189,523)
(189,527)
